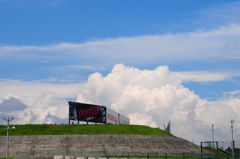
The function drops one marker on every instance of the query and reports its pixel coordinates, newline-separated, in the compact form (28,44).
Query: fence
(126,155)
(223,147)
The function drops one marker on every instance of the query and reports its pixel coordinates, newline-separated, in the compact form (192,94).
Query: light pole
(213,135)
(8,120)
(232,137)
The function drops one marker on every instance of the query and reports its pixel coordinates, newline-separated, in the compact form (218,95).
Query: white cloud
(44,108)
(220,14)
(44,61)
(233,92)
(142,119)
(148,97)
(12,104)
(218,43)
(88,67)
(202,76)
(233,57)
(34,88)
(206,76)
(153,97)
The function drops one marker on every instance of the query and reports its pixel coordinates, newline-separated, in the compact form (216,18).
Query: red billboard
(87,112)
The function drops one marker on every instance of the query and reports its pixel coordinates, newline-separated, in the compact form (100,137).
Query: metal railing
(225,147)
(98,154)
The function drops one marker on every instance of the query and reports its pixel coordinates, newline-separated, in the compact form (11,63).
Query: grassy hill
(91,129)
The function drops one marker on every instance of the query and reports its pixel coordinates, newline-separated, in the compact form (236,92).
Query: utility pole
(8,120)
(232,137)
(222,145)
(213,135)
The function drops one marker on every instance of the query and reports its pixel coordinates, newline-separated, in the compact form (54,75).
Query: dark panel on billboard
(87,112)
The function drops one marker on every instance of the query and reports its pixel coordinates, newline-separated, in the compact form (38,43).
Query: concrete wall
(41,157)
(105,143)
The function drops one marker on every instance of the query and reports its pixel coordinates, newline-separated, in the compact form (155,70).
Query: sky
(151,60)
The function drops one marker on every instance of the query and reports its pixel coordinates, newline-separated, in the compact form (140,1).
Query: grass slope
(214,151)
(91,129)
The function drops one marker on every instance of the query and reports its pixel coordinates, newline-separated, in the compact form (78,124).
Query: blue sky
(52,22)
(47,23)
(54,45)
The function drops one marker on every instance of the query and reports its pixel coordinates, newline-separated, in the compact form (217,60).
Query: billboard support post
(68,116)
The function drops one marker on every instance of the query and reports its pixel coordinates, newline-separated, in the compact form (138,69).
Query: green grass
(214,151)
(157,157)
(8,157)
(91,129)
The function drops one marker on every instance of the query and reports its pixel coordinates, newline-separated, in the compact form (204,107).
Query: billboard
(123,119)
(87,112)
(95,113)
(112,116)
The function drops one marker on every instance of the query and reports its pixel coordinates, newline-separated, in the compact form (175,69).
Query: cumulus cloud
(153,97)
(147,97)
(44,108)
(12,104)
